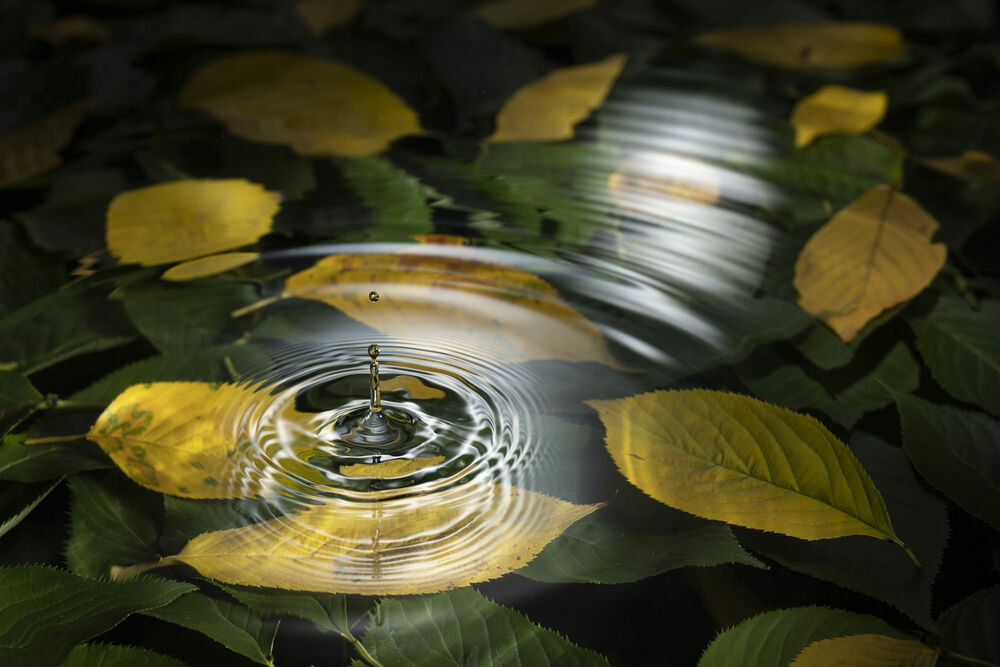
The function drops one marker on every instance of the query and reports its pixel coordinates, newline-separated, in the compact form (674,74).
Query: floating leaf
(961,347)
(866,650)
(182,219)
(456,627)
(505,313)
(109,655)
(837,110)
(34,149)
(522,14)
(648,182)
(396,197)
(38,463)
(957,451)
(970,626)
(413,387)
(390,469)
(209,266)
(811,44)
(398,546)
(549,108)
(314,106)
(870,256)
(321,15)
(732,458)
(972,164)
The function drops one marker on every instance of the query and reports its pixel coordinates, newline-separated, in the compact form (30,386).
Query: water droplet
(373,296)
(373,350)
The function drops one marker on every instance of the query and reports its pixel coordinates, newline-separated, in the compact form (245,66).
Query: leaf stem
(119,573)
(909,553)
(367,657)
(60,404)
(240,312)
(48,440)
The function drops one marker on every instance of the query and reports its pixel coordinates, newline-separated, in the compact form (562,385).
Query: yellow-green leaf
(503,312)
(315,106)
(520,14)
(414,388)
(868,650)
(972,164)
(816,44)
(443,540)
(321,15)
(183,219)
(209,266)
(837,110)
(549,108)
(391,468)
(33,149)
(871,255)
(733,458)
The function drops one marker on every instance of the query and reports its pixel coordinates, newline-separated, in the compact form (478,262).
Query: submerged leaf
(872,255)
(390,469)
(209,266)
(648,182)
(811,44)
(182,219)
(732,458)
(314,106)
(413,387)
(33,149)
(866,650)
(549,108)
(837,110)
(521,14)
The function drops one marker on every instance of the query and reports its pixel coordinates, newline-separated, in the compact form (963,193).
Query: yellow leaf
(645,182)
(209,266)
(521,14)
(817,44)
(391,468)
(837,110)
(180,438)
(321,15)
(315,106)
(499,311)
(868,650)
(412,386)
(871,255)
(973,164)
(441,239)
(182,219)
(733,458)
(547,109)
(437,541)
(34,149)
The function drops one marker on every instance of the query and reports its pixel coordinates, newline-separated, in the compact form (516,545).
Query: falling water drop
(373,426)
(373,296)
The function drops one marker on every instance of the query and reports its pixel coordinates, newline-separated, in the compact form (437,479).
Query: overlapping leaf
(837,110)
(208,266)
(866,650)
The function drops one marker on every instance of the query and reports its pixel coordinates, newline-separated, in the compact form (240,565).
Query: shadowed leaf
(866,650)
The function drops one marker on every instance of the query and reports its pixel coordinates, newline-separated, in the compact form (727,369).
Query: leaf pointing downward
(736,459)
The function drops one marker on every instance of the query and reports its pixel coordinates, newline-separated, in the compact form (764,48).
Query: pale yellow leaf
(498,311)
(972,164)
(315,106)
(645,182)
(34,148)
(413,387)
(549,108)
(321,15)
(871,255)
(837,110)
(817,44)
(391,468)
(732,458)
(209,266)
(183,219)
(432,542)
(521,14)
(868,650)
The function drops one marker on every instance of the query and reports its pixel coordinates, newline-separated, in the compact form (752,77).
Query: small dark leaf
(37,463)
(970,627)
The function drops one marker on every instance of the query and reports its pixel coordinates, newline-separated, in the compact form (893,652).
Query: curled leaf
(868,650)
(315,106)
(520,14)
(183,219)
(837,110)
(208,266)
(549,108)
(871,255)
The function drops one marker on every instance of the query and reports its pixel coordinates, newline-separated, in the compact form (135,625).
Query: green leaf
(897,371)
(25,274)
(826,350)
(463,627)
(111,523)
(393,195)
(962,348)
(774,638)
(18,399)
(37,463)
(970,627)
(110,655)
(178,319)
(876,568)
(327,612)
(45,612)
(232,625)
(185,519)
(18,500)
(956,451)
(789,386)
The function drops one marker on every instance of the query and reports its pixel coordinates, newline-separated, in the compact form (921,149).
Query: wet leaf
(549,108)
(393,195)
(457,627)
(18,399)
(811,44)
(837,110)
(314,106)
(970,164)
(956,451)
(393,547)
(109,655)
(327,612)
(866,650)
(412,387)
(648,182)
(871,255)
(522,14)
(19,500)
(961,347)
(38,463)
(504,312)
(34,148)
(46,611)
(390,469)
(25,273)
(897,371)
(969,627)
(732,458)
(321,15)
(183,219)
(776,637)
(212,265)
